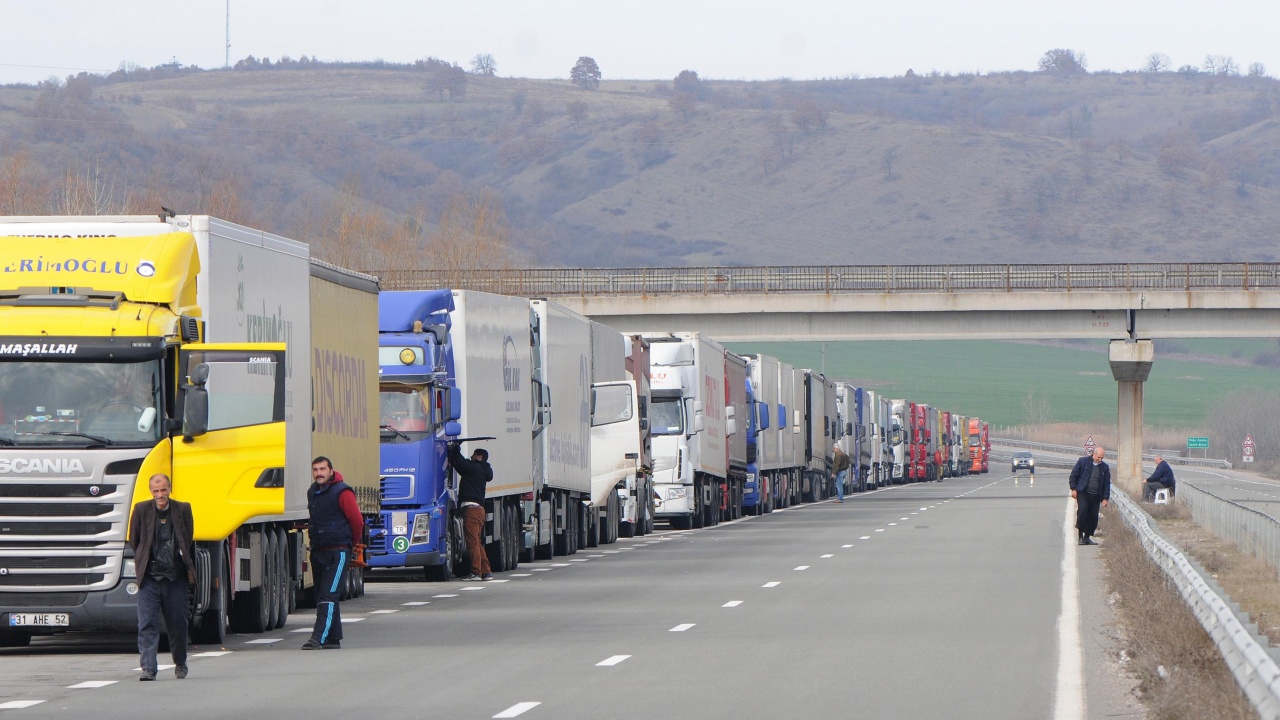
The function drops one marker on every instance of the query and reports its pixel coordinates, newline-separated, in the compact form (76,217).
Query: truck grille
(58,535)
(397,487)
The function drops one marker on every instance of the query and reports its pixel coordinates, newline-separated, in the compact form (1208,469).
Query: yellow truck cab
(218,355)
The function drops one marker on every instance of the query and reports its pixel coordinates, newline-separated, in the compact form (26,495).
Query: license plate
(39,619)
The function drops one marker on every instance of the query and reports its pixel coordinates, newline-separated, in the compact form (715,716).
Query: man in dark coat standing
(473,475)
(161,532)
(1162,478)
(1090,483)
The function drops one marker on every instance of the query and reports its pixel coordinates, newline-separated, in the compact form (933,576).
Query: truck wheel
(517,537)
(212,629)
(440,573)
(270,577)
(14,638)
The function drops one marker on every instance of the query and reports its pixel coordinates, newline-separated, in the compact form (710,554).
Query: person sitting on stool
(1162,478)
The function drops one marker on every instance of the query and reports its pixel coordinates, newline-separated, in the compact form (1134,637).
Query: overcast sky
(640,39)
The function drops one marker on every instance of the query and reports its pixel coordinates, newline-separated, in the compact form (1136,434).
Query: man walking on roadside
(336,527)
(1090,484)
(473,475)
(161,532)
(841,467)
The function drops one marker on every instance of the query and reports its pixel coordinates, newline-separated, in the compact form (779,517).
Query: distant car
(1024,460)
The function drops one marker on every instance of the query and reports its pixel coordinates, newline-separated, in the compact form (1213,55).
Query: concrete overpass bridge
(1127,304)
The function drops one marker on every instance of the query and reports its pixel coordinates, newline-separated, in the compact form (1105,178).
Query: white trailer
(766,384)
(736,377)
(793,389)
(496,375)
(899,424)
(562,340)
(689,427)
(819,431)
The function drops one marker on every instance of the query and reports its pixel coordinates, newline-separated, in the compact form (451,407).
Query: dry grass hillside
(1012,167)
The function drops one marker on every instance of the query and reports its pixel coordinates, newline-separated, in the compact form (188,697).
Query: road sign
(1194,443)
(1248,458)
(1089,445)
(1247,448)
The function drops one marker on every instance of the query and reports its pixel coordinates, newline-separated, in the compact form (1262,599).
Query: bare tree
(585,73)
(887,159)
(577,111)
(1157,63)
(472,239)
(1078,124)
(1062,61)
(92,192)
(18,188)
(684,103)
(1037,408)
(484,64)
(1257,70)
(1221,65)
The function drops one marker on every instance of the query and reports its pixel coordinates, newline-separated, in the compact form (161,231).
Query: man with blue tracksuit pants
(336,528)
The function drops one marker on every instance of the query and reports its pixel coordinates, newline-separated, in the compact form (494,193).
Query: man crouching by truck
(474,474)
(336,528)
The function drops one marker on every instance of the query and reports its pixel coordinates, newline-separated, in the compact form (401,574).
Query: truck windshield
(80,403)
(665,417)
(406,415)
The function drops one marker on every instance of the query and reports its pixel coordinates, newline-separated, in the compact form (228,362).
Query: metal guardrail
(1120,277)
(1244,652)
(1079,450)
(1254,531)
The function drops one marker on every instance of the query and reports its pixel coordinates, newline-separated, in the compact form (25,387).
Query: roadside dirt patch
(1180,674)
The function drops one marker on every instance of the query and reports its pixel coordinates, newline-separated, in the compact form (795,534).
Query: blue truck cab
(753,497)
(419,401)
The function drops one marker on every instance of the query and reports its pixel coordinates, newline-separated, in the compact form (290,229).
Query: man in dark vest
(1090,484)
(161,532)
(336,527)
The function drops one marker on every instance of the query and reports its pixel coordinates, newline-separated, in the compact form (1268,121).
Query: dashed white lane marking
(623,549)
(496,580)
(892,524)
(1068,701)
(220,653)
(771,584)
(92,684)
(612,552)
(382,612)
(517,710)
(417,603)
(521,575)
(474,587)
(301,630)
(865,537)
(579,559)
(541,569)
(351,620)
(905,518)
(732,603)
(19,704)
(159,668)
(879,529)
(802,567)
(610,662)
(595,556)
(846,546)
(828,555)
(925,508)
(682,628)
(445,595)
(559,564)
(265,641)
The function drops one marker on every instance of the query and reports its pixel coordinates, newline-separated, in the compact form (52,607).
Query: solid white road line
(732,603)
(771,584)
(92,684)
(682,628)
(610,662)
(517,710)
(1068,701)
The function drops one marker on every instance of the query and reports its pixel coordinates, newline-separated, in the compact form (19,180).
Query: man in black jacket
(161,532)
(1162,478)
(1090,484)
(473,475)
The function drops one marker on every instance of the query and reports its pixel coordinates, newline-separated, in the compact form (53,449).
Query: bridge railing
(842,279)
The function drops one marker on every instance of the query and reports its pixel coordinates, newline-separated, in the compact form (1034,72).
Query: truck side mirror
(453,407)
(731,426)
(453,428)
(195,413)
(764,416)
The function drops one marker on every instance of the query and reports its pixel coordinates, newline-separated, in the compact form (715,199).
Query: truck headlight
(421,529)
(677,493)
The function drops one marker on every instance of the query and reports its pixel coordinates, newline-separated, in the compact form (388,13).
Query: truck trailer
(218,355)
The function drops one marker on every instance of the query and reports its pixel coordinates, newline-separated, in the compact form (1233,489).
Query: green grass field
(992,379)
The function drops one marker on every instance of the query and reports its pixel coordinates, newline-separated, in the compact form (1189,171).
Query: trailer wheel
(212,629)
(440,572)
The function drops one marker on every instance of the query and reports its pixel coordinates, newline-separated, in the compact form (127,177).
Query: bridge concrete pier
(1130,366)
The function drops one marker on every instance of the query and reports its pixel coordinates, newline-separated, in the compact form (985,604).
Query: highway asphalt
(936,600)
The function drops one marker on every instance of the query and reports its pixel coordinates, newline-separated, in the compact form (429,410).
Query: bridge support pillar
(1130,366)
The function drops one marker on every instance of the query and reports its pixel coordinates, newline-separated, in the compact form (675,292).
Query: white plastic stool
(1162,497)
